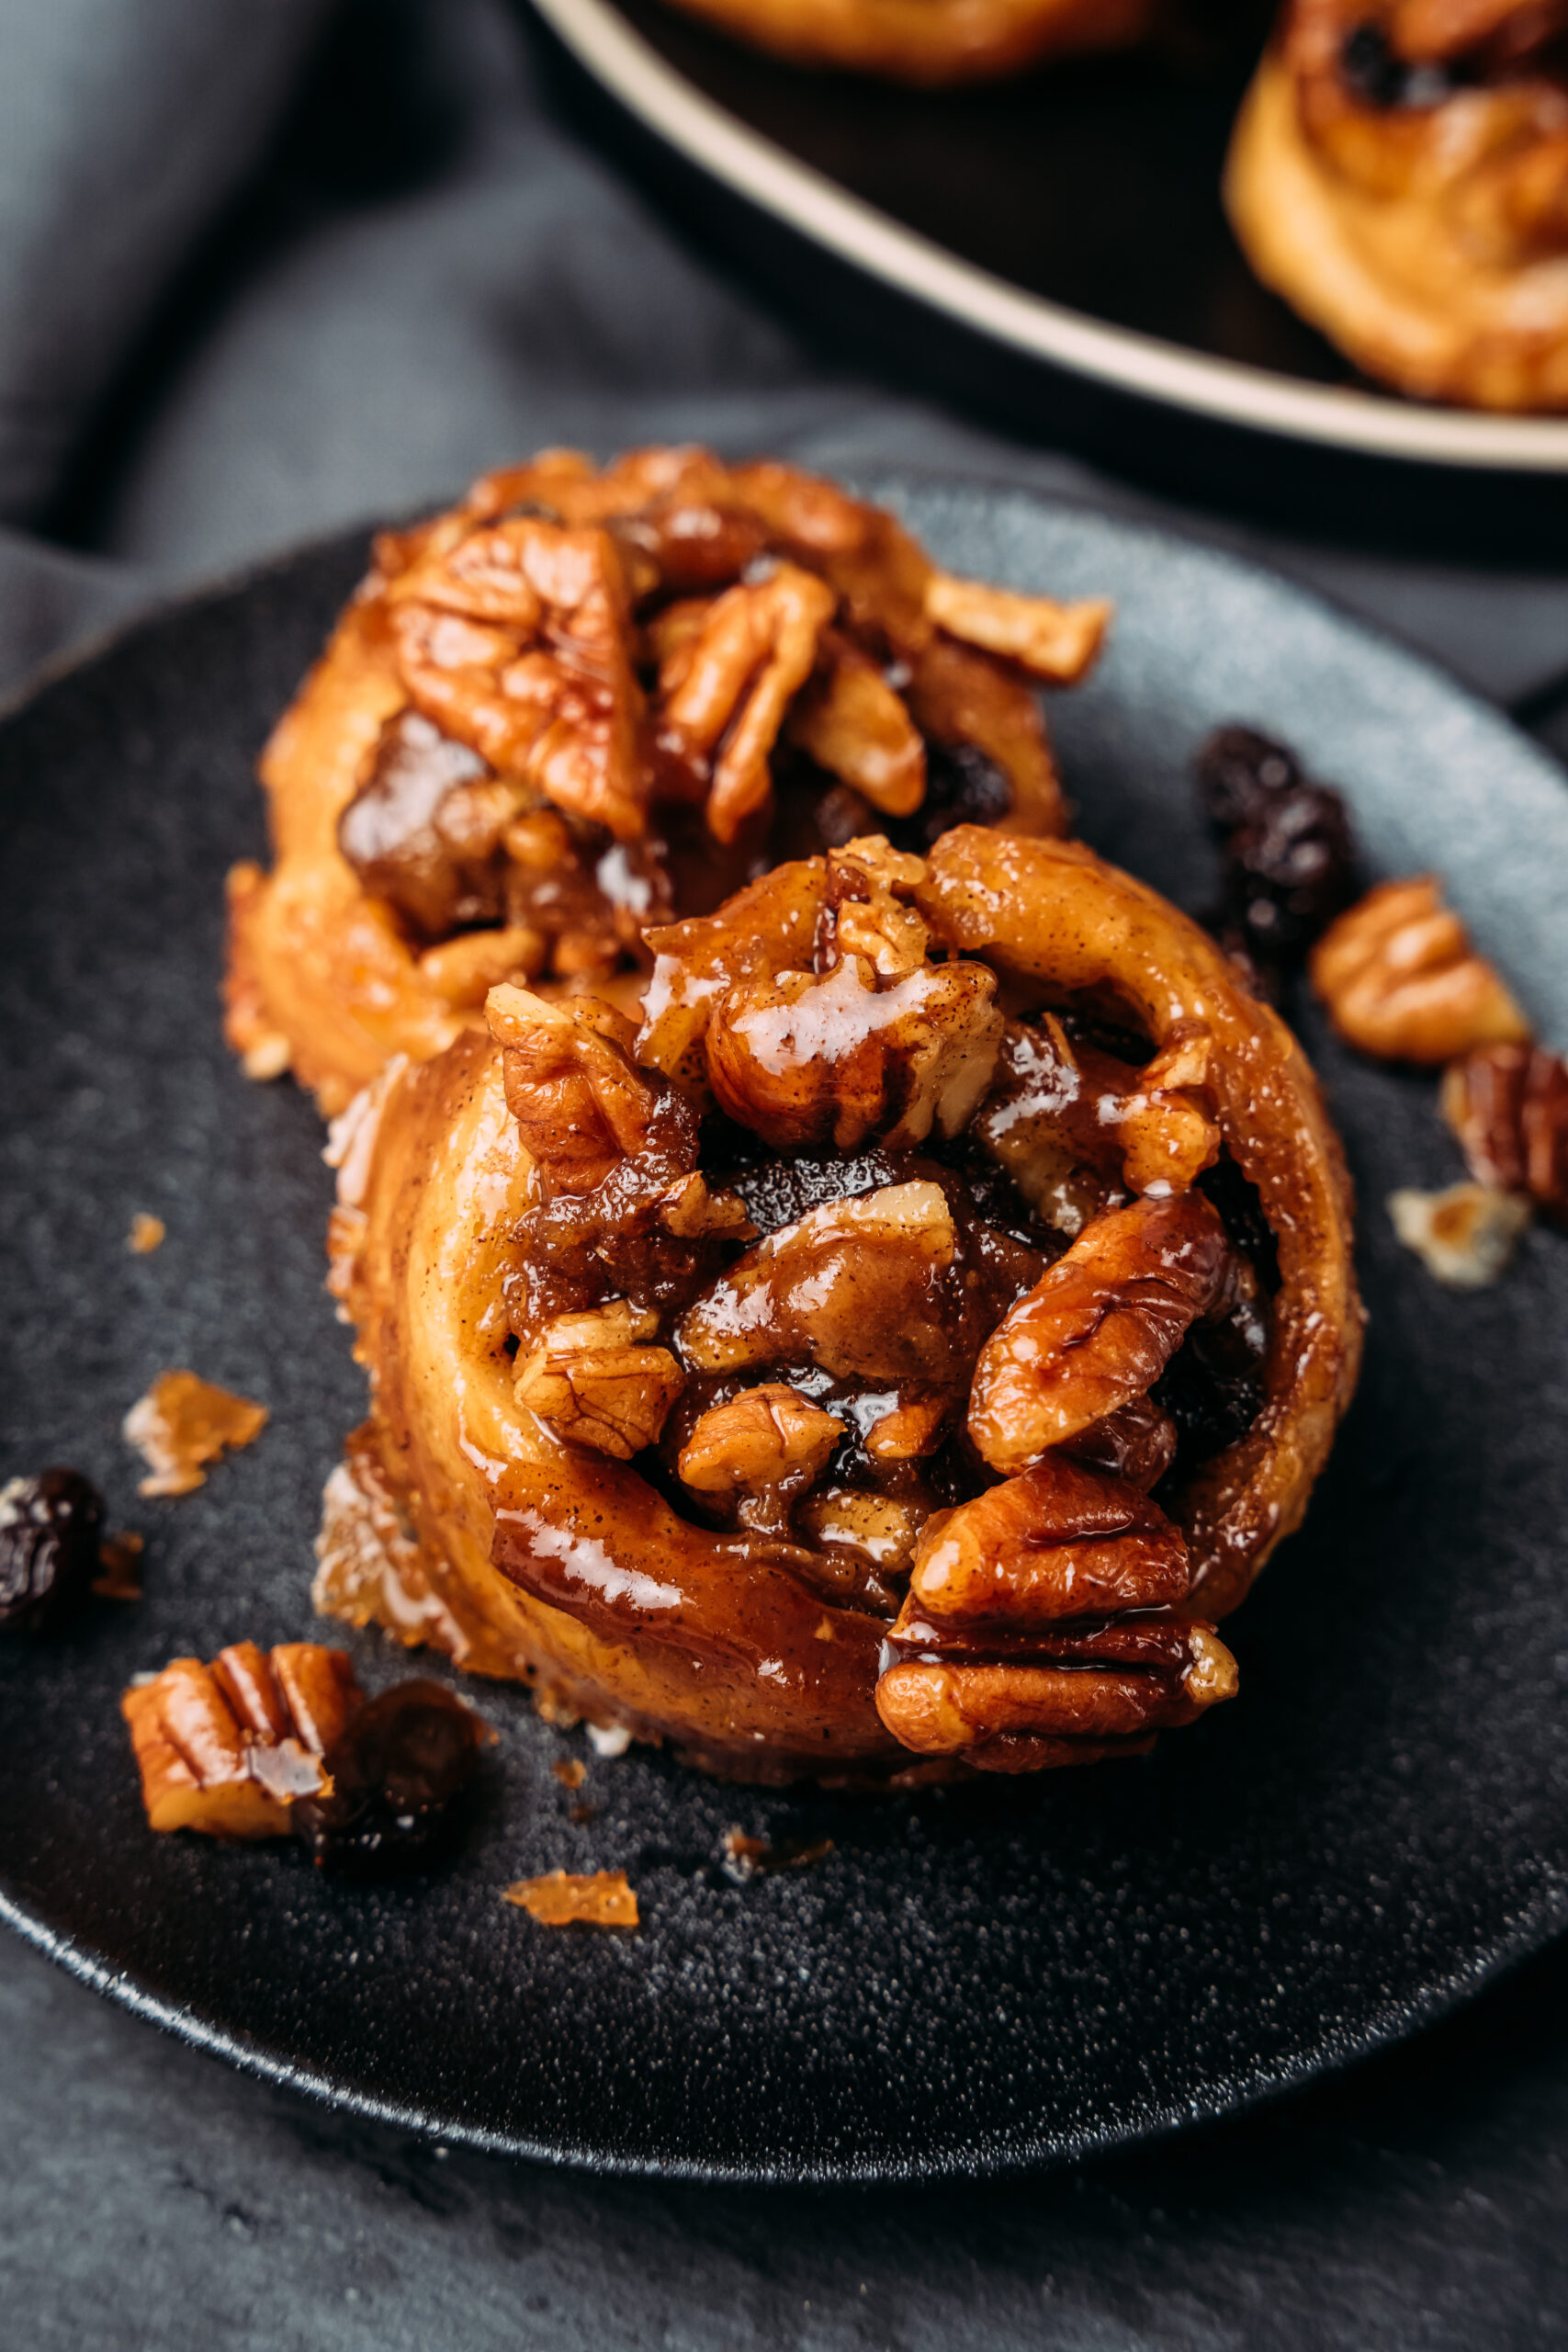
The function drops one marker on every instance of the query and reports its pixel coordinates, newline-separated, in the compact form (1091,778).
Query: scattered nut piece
(569,1771)
(1508,1106)
(146,1234)
(574,1899)
(609,1739)
(1464,1235)
(226,1748)
(1401,979)
(183,1421)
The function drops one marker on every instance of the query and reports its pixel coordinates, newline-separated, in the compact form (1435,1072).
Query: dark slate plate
(1050,250)
(969,1982)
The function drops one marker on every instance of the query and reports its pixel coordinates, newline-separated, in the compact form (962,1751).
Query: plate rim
(1541,1920)
(1226,392)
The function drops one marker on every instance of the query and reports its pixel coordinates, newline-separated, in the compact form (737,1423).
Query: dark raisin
(49,1549)
(1208,1394)
(963,786)
(398,1773)
(1239,772)
(1289,872)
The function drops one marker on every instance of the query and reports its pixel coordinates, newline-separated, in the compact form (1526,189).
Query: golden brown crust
(1429,241)
(930,41)
(557,1563)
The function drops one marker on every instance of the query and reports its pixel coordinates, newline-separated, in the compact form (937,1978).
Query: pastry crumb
(119,1558)
(183,1422)
(1464,1235)
(612,1739)
(571,1771)
(746,1857)
(572,1898)
(146,1234)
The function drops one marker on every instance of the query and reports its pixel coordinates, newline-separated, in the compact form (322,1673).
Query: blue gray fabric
(270,266)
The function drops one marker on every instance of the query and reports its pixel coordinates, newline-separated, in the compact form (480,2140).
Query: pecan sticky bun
(891,1357)
(581,703)
(931,41)
(1400,174)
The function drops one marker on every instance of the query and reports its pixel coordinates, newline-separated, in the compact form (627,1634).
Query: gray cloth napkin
(268,267)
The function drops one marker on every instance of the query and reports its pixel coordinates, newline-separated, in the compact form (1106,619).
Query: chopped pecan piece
(1067,1120)
(515,643)
(735,681)
(850,722)
(226,1748)
(911,1427)
(850,1286)
(1508,1106)
(463,971)
(1098,1328)
(1054,641)
(571,1085)
(856,1519)
(808,1063)
(1401,981)
(596,1381)
(769,926)
(182,1423)
(764,1447)
(1465,1235)
(1061,1541)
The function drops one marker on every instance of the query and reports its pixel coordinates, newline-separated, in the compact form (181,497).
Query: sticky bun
(890,1358)
(581,703)
(1400,174)
(930,41)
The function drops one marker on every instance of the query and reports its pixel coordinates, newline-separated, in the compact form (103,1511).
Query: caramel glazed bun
(931,41)
(582,703)
(1399,173)
(888,1362)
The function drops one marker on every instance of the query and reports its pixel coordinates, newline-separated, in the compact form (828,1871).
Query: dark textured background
(265,269)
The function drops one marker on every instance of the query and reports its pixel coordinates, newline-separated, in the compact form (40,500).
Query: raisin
(1239,772)
(963,786)
(1376,76)
(1289,854)
(398,1773)
(388,835)
(49,1549)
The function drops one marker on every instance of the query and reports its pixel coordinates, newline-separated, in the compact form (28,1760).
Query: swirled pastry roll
(894,1356)
(931,41)
(1399,174)
(581,703)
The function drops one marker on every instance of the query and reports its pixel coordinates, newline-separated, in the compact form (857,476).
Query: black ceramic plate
(1051,247)
(969,1981)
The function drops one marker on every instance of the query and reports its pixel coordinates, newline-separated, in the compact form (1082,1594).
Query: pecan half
(1401,981)
(596,1382)
(1098,1328)
(1060,1541)
(1025,1718)
(515,642)
(225,1749)
(1508,1106)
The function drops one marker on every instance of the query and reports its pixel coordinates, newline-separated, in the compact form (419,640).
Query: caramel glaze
(533,1559)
